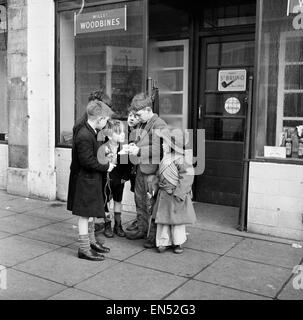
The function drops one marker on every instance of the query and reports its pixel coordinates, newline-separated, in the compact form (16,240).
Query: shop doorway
(223,114)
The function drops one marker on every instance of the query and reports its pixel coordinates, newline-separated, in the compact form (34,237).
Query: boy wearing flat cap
(146,153)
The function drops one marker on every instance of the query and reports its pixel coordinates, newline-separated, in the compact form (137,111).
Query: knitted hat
(175,138)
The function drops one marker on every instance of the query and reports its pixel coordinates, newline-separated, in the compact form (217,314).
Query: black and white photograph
(151,153)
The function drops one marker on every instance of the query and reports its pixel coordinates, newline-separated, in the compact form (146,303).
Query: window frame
(256,94)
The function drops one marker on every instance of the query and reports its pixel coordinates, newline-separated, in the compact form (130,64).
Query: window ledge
(278,161)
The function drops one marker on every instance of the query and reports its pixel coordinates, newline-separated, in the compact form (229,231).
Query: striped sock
(84,243)
(91,232)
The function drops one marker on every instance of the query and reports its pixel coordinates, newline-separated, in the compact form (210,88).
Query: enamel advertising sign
(101,21)
(232,80)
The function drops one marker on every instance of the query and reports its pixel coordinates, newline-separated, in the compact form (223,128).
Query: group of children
(171,194)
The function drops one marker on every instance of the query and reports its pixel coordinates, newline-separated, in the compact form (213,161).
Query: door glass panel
(238,53)
(224,129)
(213,54)
(212,79)
(215,104)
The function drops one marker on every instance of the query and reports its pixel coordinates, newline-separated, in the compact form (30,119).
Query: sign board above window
(106,20)
(232,80)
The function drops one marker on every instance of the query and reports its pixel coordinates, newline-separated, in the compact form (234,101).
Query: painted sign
(294,6)
(232,105)
(232,80)
(3,25)
(124,56)
(106,20)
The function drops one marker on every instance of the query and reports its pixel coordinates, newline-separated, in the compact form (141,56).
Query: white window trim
(281,82)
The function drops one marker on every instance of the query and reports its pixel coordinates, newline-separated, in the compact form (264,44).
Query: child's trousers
(168,235)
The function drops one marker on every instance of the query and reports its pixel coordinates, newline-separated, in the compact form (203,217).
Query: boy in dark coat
(85,185)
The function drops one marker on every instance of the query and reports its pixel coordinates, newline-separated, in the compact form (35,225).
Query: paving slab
(6,213)
(16,249)
(209,241)
(186,265)
(74,294)
(128,282)
(21,205)
(290,293)
(61,234)
(53,211)
(247,276)
(122,248)
(195,290)
(64,266)
(276,254)
(19,223)
(4,196)
(22,286)
(4,234)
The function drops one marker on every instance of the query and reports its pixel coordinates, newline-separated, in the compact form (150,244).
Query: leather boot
(108,232)
(90,255)
(99,248)
(118,230)
(150,243)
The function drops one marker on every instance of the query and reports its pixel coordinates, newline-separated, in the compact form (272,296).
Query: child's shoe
(118,230)
(108,232)
(178,249)
(161,249)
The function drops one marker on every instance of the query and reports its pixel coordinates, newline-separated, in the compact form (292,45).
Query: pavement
(38,247)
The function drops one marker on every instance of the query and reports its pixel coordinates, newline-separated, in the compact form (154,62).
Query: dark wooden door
(223,116)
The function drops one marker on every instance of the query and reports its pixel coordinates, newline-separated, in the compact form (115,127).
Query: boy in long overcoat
(85,185)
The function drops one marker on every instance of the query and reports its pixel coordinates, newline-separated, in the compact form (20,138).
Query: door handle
(200,112)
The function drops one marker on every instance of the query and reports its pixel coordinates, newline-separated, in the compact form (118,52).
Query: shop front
(232,68)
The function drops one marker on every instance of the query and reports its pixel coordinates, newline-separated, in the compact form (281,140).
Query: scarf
(168,168)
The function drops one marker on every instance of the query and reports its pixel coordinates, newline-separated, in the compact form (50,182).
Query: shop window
(111,60)
(279,100)
(3,75)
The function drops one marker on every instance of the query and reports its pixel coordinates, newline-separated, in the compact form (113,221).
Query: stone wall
(275,204)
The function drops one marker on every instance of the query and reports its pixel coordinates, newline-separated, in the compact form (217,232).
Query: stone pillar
(31,99)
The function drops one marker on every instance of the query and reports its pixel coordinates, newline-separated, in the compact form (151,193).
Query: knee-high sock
(83,226)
